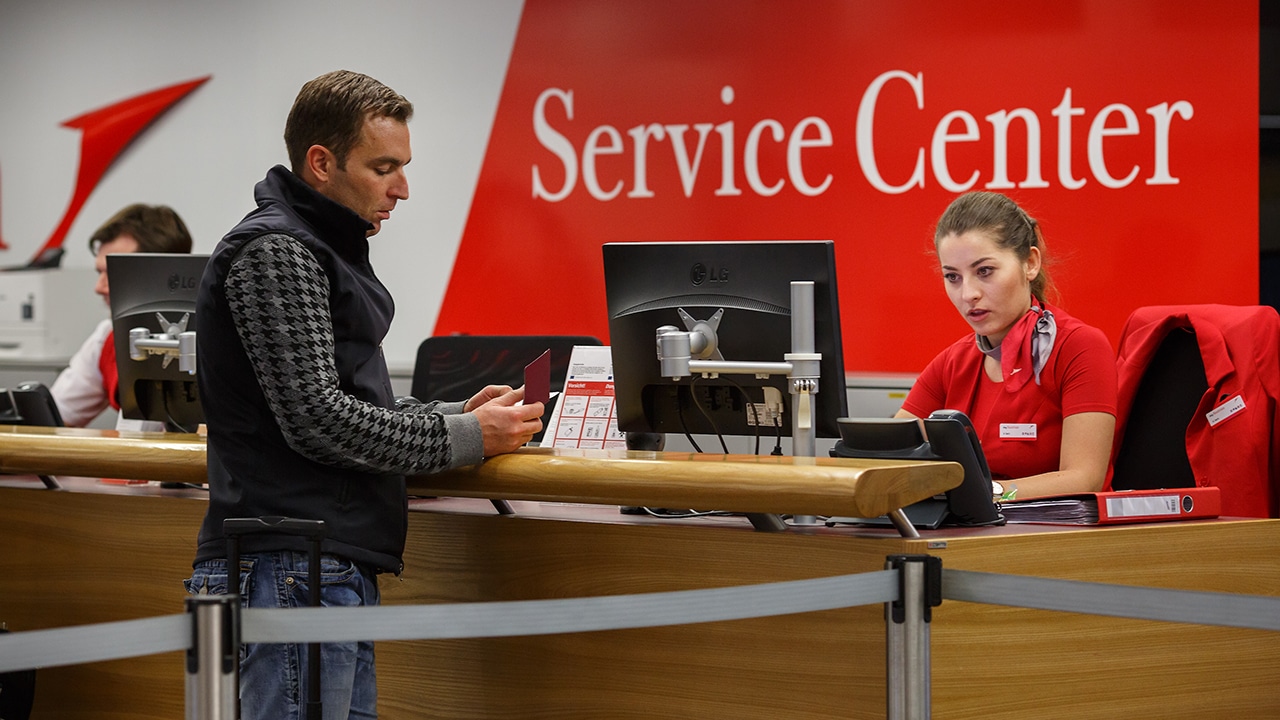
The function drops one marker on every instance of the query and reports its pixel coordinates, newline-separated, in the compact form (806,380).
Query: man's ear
(321,163)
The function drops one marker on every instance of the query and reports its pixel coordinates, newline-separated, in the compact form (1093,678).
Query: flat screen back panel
(648,285)
(145,287)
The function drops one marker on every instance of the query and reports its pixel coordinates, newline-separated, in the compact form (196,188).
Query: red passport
(537,379)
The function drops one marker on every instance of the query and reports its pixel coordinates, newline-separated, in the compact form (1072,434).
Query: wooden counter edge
(742,483)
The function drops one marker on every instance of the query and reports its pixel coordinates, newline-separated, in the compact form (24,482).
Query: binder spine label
(1148,505)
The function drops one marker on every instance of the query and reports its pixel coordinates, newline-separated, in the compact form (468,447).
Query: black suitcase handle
(313,530)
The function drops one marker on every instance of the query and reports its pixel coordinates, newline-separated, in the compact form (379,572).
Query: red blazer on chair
(1240,347)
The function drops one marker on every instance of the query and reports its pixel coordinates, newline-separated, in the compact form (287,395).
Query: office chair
(1199,403)
(455,367)
(1153,450)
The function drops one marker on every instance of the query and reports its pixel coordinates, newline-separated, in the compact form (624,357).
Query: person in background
(1038,384)
(88,384)
(301,419)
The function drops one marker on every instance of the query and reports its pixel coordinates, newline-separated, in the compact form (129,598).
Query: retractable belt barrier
(1255,612)
(134,638)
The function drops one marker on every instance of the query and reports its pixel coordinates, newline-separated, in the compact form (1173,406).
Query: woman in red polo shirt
(1039,385)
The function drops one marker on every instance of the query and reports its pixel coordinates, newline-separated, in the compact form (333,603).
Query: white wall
(62,59)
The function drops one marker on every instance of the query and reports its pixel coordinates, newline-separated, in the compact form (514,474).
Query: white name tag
(1226,410)
(1017,431)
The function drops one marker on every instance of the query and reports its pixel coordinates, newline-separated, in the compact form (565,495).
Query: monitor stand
(655,442)
(766,522)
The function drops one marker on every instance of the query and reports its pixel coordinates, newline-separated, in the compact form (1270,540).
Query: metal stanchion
(907,674)
(803,379)
(213,672)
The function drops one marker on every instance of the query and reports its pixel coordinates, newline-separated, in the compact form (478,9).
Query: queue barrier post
(213,660)
(907,619)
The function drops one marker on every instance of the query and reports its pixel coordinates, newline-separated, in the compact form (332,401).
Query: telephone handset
(950,436)
(30,403)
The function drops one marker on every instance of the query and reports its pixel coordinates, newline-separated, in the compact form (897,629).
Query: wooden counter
(745,483)
(102,453)
(96,553)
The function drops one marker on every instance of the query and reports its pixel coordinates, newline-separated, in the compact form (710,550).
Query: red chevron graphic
(105,133)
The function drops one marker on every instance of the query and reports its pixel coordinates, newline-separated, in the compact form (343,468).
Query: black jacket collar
(337,225)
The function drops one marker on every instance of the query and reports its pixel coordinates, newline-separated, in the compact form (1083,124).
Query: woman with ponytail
(1039,385)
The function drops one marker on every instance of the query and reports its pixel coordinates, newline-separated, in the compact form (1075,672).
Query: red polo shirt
(1021,432)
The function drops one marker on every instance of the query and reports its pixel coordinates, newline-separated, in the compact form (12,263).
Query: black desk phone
(947,435)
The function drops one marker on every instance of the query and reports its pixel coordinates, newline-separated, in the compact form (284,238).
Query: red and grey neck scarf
(1025,348)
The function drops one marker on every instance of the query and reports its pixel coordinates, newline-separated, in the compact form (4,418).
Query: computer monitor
(155,292)
(742,287)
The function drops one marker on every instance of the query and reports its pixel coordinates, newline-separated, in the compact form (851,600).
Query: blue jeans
(273,676)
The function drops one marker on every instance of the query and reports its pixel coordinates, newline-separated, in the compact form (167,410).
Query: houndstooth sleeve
(279,300)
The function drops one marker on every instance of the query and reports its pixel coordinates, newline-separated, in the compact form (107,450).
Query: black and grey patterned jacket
(301,418)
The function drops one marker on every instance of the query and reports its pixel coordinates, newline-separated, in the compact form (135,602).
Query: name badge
(1226,410)
(1017,431)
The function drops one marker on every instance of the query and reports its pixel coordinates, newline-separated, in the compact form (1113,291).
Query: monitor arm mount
(681,353)
(175,341)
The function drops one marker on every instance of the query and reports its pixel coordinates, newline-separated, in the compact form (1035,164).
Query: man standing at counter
(298,402)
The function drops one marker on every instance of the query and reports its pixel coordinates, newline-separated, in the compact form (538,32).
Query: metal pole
(907,669)
(804,367)
(805,372)
(213,682)
(895,672)
(903,523)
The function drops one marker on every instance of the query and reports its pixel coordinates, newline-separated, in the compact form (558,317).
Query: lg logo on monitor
(182,282)
(701,273)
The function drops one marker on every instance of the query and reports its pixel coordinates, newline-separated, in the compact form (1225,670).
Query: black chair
(1152,453)
(455,367)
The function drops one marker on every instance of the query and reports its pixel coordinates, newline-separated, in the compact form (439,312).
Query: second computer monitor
(653,284)
(155,291)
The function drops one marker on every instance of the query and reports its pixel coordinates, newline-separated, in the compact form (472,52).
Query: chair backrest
(1199,396)
(1153,449)
(455,367)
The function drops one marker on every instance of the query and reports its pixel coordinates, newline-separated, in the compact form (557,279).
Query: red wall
(1147,183)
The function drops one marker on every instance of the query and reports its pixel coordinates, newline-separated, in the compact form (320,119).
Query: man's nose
(400,190)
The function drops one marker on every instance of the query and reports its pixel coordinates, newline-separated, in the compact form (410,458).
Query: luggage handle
(314,530)
(273,525)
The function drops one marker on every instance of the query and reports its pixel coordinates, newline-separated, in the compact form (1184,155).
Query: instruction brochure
(585,415)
